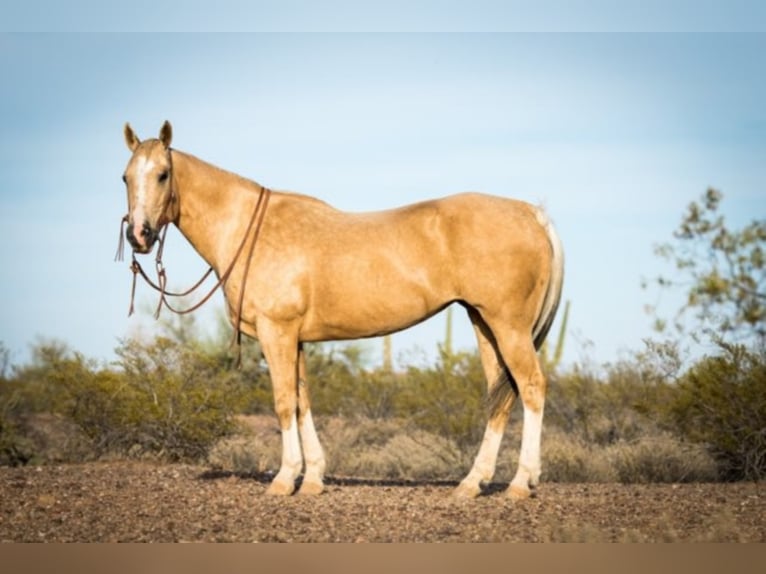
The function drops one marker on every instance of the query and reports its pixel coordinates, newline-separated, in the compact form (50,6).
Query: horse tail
(555,283)
(504,389)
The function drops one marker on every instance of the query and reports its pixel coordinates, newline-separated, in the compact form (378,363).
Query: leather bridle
(254,226)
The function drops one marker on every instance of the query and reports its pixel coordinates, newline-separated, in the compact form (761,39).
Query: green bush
(163,399)
(603,406)
(15,448)
(30,404)
(169,399)
(721,403)
(447,400)
(339,384)
(639,420)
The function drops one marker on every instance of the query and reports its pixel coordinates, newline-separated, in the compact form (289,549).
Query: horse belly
(372,299)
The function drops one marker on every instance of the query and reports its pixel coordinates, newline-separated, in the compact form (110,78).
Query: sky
(613,133)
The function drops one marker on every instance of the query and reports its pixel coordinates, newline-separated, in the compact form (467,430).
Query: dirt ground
(144,502)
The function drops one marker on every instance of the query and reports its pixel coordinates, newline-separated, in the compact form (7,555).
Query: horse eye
(125,178)
(163,176)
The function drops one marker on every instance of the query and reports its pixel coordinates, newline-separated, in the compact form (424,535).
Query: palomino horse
(314,273)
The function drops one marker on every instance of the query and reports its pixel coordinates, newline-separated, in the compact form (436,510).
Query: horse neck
(211,204)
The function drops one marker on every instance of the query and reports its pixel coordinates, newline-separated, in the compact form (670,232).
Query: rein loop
(160,285)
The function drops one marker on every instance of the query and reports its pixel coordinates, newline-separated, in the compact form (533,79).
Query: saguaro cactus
(388,363)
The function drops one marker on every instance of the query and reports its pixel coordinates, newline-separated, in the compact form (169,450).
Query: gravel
(128,501)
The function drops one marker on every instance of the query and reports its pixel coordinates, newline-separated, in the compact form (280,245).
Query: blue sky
(614,133)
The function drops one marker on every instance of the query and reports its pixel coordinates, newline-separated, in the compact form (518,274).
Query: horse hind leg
(502,395)
(519,355)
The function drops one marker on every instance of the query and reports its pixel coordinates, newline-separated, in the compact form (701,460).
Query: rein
(256,222)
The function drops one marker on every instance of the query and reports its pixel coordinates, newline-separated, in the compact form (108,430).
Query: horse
(295,270)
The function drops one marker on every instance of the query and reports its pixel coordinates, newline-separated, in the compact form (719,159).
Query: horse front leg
(280,348)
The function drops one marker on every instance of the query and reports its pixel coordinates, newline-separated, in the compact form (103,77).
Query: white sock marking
(292,460)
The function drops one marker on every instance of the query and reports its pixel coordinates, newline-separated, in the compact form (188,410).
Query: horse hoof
(518,493)
(311,488)
(279,488)
(466,491)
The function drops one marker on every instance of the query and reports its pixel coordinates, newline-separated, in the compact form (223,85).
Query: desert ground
(135,501)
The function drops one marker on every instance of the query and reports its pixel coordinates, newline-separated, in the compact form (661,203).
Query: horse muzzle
(144,241)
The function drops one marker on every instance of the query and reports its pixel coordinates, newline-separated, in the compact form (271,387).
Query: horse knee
(286,411)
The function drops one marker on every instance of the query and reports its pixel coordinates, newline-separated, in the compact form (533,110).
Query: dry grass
(390,449)
(661,458)
(394,449)
(364,448)
(568,459)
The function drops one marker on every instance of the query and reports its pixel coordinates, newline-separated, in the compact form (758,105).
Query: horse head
(149,181)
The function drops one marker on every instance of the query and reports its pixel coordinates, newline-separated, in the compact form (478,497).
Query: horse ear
(131,139)
(166,134)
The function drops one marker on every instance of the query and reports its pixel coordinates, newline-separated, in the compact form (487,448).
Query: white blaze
(143,167)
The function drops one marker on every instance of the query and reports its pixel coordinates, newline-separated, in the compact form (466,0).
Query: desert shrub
(658,457)
(721,403)
(574,403)
(169,399)
(447,400)
(15,447)
(245,368)
(361,448)
(569,459)
(32,428)
(256,447)
(661,458)
(599,408)
(389,449)
(162,398)
(340,385)
(42,438)
(31,385)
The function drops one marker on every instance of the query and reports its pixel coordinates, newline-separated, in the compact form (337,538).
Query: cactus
(445,349)
(388,363)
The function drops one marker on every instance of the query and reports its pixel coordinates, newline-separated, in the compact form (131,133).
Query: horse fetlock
(315,468)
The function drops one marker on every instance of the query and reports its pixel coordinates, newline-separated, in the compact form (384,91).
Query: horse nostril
(143,240)
(131,237)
